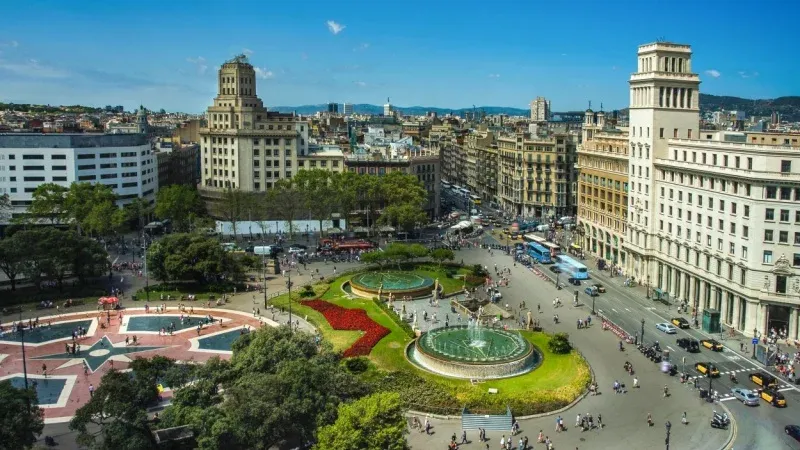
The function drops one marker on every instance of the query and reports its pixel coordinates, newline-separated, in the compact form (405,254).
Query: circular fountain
(473,351)
(399,284)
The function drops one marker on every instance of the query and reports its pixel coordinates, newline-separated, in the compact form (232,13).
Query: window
(745,231)
(58,156)
(786,166)
(32,156)
(661,133)
(733,228)
(747,210)
(732,249)
(33,179)
(768,235)
(783,237)
(769,214)
(721,225)
(767,258)
(32,167)
(772,192)
(675,133)
(59,178)
(59,167)
(784,215)
(733,208)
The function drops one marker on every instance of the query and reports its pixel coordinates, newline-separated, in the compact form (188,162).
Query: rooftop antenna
(590,104)
(601,106)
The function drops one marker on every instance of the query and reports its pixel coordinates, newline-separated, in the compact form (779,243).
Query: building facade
(123,162)
(711,222)
(247,147)
(535,174)
(602,198)
(540,110)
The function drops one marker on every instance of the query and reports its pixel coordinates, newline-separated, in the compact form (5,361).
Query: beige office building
(247,147)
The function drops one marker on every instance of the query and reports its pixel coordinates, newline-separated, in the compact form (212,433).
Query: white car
(746,396)
(666,328)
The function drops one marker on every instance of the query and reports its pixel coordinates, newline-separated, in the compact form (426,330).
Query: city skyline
(166,56)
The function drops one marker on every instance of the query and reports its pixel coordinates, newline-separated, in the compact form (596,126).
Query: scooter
(733,378)
(721,421)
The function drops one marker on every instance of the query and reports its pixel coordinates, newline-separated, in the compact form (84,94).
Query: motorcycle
(733,378)
(721,421)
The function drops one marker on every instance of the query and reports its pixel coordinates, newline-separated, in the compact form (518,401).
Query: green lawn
(556,382)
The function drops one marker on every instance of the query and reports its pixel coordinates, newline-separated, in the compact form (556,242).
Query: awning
(387,229)
(107,300)
(575,246)
(334,230)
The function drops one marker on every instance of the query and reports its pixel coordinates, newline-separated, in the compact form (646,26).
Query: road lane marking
(613,309)
(726,399)
(628,309)
(670,348)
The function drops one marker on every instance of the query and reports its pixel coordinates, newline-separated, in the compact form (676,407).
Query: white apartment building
(347,109)
(540,110)
(121,161)
(710,222)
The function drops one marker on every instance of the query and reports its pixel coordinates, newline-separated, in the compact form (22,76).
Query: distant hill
(365,108)
(787,107)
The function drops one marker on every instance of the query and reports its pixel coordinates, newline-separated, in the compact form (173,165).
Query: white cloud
(334,27)
(247,51)
(494,75)
(12,44)
(360,83)
(200,63)
(32,68)
(361,47)
(263,73)
(744,74)
(713,73)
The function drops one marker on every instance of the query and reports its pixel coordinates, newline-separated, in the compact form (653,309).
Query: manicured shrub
(559,344)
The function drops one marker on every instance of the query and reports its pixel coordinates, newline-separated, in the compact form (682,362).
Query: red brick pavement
(176,346)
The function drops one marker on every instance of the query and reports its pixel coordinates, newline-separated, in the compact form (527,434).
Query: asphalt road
(758,427)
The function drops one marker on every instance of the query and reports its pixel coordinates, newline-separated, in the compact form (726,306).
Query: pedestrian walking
(91,390)
(600,421)
(464,436)
(683,419)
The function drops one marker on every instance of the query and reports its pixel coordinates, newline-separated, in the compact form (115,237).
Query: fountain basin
(399,284)
(473,353)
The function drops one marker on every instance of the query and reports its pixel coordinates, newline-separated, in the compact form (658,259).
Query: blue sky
(446,53)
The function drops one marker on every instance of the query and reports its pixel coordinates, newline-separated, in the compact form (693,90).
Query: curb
(734,428)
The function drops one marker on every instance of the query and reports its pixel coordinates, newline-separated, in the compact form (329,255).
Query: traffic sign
(755,341)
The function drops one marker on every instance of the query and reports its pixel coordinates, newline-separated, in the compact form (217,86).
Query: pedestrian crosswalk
(729,396)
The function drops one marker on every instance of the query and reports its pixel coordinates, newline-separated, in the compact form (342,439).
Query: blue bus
(573,268)
(539,253)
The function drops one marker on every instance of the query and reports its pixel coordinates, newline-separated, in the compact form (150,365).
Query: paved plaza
(62,368)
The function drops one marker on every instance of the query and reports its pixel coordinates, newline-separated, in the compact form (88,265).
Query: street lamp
(264,263)
(289,286)
(755,336)
(593,297)
(642,335)
(710,383)
(146,275)
(558,274)
(668,426)
(21,330)
(648,287)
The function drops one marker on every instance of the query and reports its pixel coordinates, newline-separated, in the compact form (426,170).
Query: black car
(276,249)
(793,431)
(680,322)
(555,269)
(689,344)
(574,281)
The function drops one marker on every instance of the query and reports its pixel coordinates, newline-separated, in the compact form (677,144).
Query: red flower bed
(351,319)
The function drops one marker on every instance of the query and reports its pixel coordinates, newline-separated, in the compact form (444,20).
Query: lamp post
(710,383)
(593,297)
(667,426)
(289,286)
(642,335)
(264,279)
(755,336)
(648,287)
(146,275)
(21,330)
(558,274)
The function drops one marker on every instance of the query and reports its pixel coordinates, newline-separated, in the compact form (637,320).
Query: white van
(262,250)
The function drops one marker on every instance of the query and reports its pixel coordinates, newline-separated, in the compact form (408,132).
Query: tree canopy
(375,422)
(89,207)
(180,204)
(51,254)
(185,256)
(21,419)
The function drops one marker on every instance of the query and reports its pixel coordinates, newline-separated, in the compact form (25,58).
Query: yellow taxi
(763,379)
(711,344)
(707,368)
(680,322)
(773,397)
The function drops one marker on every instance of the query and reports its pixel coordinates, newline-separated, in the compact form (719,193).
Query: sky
(444,53)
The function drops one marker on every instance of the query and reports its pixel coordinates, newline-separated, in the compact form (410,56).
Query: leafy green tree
(441,255)
(119,409)
(12,259)
(49,203)
(91,207)
(136,211)
(318,193)
(183,256)
(403,197)
(233,206)
(375,257)
(375,422)
(178,203)
(346,194)
(286,201)
(21,419)
(417,251)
